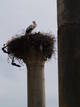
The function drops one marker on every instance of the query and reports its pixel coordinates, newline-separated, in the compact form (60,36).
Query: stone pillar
(69,52)
(35,84)
(35,79)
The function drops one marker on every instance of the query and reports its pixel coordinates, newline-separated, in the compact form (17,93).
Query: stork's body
(31,27)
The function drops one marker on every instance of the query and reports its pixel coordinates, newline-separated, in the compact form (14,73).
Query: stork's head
(34,23)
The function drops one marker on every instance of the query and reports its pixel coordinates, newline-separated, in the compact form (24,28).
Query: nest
(19,47)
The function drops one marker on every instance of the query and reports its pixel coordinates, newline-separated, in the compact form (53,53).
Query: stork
(31,27)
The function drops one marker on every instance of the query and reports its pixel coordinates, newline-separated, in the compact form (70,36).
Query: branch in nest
(14,64)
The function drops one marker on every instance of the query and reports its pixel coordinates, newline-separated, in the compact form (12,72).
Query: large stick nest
(20,47)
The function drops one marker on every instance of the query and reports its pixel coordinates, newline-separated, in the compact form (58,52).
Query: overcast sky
(15,16)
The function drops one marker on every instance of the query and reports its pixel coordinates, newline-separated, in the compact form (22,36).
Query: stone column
(69,52)
(35,80)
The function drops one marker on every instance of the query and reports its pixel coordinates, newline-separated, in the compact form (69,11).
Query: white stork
(31,27)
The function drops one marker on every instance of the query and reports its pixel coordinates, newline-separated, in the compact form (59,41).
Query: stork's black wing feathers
(31,27)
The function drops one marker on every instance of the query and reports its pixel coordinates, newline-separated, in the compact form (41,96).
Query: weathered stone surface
(68,11)
(69,64)
(69,52)
(36,83)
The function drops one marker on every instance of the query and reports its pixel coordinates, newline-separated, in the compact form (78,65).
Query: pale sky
(15,16)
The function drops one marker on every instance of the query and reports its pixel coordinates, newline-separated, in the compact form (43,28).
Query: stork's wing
(30,28)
